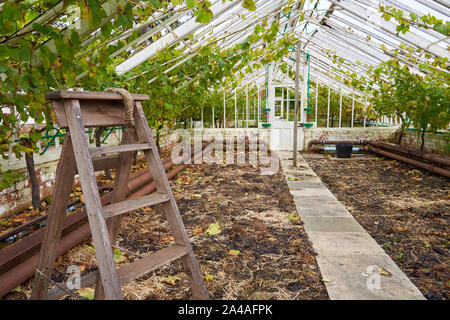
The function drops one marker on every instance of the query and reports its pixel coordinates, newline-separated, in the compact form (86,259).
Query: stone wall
(370,133)
(437,143)
(18,196)
(281,137)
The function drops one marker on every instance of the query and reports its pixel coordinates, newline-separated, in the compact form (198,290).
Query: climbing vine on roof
(50,45)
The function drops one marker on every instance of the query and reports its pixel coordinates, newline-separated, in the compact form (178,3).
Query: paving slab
(319,206)
(338,243)
(359,277)
(301,173)
(301,177)
(332,224)
(352,264)
(312,192)
(299,185)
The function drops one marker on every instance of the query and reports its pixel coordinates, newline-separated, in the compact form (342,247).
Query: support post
(288,102)
(213,122)
(246,105)
(224,114)
(353,105)
(254,105)
(235,109)
(340,109)
(329,96)
(365,111)
(297,88)
(317,97)
(259,109)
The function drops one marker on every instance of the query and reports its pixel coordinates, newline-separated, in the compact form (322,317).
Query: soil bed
(261,252)
(406,210)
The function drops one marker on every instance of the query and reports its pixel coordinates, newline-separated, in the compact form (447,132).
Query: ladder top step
(119,148)
(86,95)
(133,204)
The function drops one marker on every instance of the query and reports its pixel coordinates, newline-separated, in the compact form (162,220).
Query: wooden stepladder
(75,111)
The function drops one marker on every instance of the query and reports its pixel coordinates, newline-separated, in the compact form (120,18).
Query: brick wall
(370,133)
(437,143)
(18,196)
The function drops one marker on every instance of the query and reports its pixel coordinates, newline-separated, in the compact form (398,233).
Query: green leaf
(118,256)
(87,293)
(442,28)
(249,5)
(90,249)
(213,229)
(209,278)
(203,15)
(11,11)
(191,4)
(293,217)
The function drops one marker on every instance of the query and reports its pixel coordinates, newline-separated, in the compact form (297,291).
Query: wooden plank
(130,271)
(151,262)
(170,208)
(133,204)
(65,173)
(85,281)
(95,113)
(119,148)
(94,96)
(119,194)
(93,205)
(105,162)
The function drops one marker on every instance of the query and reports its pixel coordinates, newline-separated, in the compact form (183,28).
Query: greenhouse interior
(224,150)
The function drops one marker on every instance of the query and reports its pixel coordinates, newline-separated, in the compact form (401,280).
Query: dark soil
(405,209)
(261,252)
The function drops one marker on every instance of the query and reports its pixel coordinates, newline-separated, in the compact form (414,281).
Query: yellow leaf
(234,252)
(118,256)
(213,229)
(384,272)
(209,278)
(172,280)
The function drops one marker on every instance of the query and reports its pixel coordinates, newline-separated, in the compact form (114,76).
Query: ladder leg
(170,209)
(119,194)
(63,185)
(97,223)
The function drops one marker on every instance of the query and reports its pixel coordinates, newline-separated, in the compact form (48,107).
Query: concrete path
(352,264)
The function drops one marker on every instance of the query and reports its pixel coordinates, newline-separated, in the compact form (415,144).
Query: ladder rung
(133,204)
(131,271)
(155,260)
(105,162)
(119,148)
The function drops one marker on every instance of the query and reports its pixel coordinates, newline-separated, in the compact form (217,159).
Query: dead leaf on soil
(172,280)
(214,229)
